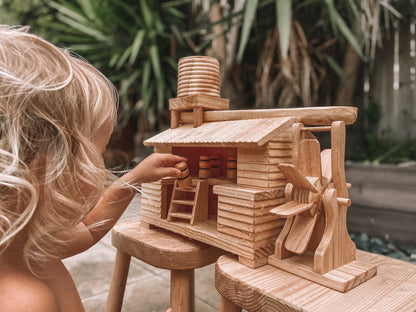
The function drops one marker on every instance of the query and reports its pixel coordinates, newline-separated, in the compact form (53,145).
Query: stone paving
(147,287)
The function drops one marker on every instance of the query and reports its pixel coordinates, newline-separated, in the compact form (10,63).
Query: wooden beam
(313,116)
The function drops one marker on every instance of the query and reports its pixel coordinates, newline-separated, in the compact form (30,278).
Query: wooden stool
(268,288)
(161,249)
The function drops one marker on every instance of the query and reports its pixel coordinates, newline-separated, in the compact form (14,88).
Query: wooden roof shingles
(224,133)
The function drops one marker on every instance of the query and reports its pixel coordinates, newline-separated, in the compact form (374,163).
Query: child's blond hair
(52,106)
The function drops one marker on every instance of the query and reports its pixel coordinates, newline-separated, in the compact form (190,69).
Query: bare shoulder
(24,292)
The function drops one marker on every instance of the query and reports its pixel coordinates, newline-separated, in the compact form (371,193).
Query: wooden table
(270,289)
(161,249)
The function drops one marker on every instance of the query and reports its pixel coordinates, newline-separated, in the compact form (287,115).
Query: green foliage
(378,150)
(327,11)
(131,41)
(135,43)
(25,12)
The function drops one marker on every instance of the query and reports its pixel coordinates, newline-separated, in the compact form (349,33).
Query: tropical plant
(135,43)
(308,52)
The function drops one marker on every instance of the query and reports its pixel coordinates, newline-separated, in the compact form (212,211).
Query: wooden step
(191,189)
(181,215)
(183,202)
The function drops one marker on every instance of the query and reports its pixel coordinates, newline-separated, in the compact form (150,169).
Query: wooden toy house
(258,189)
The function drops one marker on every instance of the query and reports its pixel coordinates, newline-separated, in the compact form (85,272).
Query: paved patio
(147,287)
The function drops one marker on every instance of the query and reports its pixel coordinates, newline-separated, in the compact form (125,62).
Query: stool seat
(161,249)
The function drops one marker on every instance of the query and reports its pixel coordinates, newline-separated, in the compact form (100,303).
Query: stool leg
(182,290)
(228,306)
(118,282)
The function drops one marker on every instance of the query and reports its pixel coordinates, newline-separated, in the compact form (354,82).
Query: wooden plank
(153,186)
(244,210)
(205,232)
(255,159)
(153,203)
(163,149)
(248,193)
(198,100)
(249,228)
(151,192)
(256,132)
(284,136)
(271,134)
(261,243)
(254,205)
(279,145)
(161,248)
(268,288)
(247,219)
(249,239)
(314,116)
(341,279)
(149,208)
(198,116)
(260,183)
(258,167)
(271,176)
(149,198)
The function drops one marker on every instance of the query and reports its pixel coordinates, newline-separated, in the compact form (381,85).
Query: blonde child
(56,117)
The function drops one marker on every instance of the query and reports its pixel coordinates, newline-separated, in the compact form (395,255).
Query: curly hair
(52,106)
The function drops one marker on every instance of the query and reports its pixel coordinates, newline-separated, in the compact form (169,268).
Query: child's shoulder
(24,292)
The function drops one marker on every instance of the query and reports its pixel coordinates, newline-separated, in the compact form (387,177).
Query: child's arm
(116,199)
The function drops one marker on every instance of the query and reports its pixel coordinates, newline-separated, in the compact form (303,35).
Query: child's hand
(155,167)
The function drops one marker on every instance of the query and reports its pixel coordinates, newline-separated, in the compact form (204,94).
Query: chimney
(198,89)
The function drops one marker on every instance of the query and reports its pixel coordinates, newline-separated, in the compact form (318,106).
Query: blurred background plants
(273,53)
(135,43)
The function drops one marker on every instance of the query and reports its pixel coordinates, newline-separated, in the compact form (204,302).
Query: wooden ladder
(190,203)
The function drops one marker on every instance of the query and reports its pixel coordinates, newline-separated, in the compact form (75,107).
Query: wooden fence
(393,84)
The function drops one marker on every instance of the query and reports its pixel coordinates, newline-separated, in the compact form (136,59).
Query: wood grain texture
(313,116)
(255,132)
(182,290)
(207,232)
(118,282)
(198,100)
(267,288)
(160,248)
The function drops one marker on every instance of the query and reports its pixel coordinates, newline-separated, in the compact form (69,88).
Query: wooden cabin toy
(261,187)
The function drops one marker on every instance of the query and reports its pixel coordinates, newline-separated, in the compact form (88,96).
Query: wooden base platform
(206,232)
(341,279)
(268,288)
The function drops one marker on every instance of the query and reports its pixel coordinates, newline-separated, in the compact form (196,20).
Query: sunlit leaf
(68,12)
(83,28)
(146,13)
(283,14)
(154,57)
(137,44)
(126,83)
(88,8)
(391,9)
(170,4)
(335,67)
(123,58)
(249,13)
(340,24)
